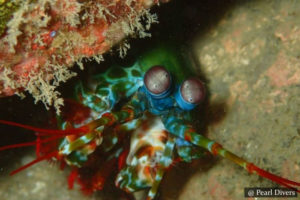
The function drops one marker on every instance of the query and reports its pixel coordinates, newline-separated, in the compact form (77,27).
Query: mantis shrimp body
(135,121)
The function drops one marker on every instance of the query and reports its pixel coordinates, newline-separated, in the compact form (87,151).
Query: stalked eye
(192,90)
(157,81)
(190,93)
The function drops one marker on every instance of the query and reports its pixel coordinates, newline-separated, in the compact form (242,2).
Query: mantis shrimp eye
(192,90)
(191,93)
(157,81)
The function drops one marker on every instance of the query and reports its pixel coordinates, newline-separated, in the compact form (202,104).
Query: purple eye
(192,91)
(158,81)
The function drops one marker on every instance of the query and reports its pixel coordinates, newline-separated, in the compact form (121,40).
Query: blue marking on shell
(154,105)
(182,143)
(182,129)
(53,33)
(210,146)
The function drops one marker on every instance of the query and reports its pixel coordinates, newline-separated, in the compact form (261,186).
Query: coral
(42,39)
(6,10)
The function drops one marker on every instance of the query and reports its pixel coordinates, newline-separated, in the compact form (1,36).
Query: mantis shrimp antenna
(39,159)
(107,119)
(25,144)
(59,134)
(41,131)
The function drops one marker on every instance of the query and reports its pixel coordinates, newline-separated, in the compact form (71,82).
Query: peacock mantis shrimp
(134,120)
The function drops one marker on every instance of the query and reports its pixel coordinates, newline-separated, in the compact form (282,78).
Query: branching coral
(44,38)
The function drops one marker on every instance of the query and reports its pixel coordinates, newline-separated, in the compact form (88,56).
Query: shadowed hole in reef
(179,21)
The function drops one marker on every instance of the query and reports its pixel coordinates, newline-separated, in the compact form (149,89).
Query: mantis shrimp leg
(178,128)
(165,162)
